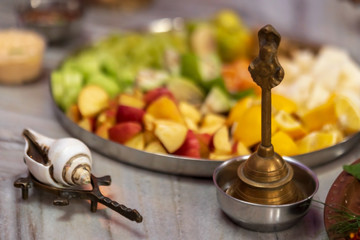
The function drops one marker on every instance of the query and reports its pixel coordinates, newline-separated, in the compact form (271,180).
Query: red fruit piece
(190,147)
(129,114)
(122,132)
(156,93)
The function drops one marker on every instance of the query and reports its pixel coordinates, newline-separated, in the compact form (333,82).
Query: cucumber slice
(106,82)
(185,90)
(148,79)
(217,101)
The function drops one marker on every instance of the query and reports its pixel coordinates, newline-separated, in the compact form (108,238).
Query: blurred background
(322,21)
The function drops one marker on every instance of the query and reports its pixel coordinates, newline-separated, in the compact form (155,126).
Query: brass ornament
(265,178)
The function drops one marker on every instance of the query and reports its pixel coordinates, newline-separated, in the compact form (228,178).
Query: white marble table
(173,207)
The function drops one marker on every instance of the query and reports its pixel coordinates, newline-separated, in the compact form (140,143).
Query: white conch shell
(57,162)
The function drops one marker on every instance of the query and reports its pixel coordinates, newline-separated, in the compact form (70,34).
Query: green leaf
(353,170)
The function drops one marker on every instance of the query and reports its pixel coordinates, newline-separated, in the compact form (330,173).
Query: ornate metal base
(65,194)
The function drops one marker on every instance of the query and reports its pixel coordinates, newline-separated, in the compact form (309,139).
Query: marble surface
(173,207)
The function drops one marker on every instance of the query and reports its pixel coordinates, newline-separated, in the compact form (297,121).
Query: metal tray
(182,165)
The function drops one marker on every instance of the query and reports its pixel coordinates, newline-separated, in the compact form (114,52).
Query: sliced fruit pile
(189,93)
(158,122)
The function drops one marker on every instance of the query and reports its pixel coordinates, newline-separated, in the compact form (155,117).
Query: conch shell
(60,162)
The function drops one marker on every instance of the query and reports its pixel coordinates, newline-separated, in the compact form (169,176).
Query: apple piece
(103,130)
(122,132)
(189,111)
(87,123)
(165,108)
(221,141)
(149,122)
(129,114)
(137,142)
(73,113)
(190,124)
(171,134)
(108,115)
(157,93)
(190,147)
(240,149)
(211,123)
(204,141)
(131,101)
(92,100)
(155,147)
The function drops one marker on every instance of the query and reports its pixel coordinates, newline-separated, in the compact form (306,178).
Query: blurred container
(126,5)
(56,20)
(21,56)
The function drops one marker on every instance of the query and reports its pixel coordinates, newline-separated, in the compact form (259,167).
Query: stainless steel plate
(182,165)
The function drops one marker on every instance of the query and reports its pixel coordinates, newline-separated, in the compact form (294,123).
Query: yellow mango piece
(287,123)
(131,101)
(348,114)
(165,108)
(284,144)
(317,140)
(238,110)
(280,102)
(321,115)
(248,128)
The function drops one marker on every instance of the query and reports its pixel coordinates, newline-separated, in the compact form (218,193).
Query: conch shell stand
(61,167)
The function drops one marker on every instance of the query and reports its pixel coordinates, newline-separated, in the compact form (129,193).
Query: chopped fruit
(157,93)
(149,136)
(122,132)
(190,124)
(103,130)
(289,125)
(186,91)
(204,141)
(348,114)
(211,123)
(321,115)
(165,108)
(189,111)
(87,124)
(238,110)
(129,114)
(280,102)
(131,101)
(316,140)
(221,141)
(155,147)
(92,100)
(237,77)
(171,134)
(190,147)
(240,149)
(73,113)
(136,142)
(149,122)
(283,144)
(248,129)
(215,156)
(108,115)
